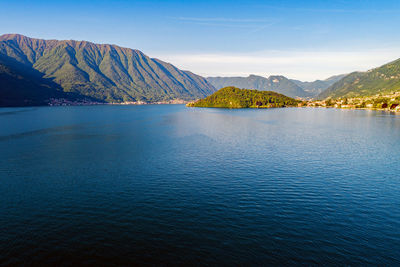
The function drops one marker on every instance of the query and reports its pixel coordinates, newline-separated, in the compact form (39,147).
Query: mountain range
(381,80)
(277,83)
(318,86)
(34,70)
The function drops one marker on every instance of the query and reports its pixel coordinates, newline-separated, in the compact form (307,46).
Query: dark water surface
(170,185)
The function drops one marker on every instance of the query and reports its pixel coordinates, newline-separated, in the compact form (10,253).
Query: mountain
(100,71)
(232,97)
(18,89)
(381,80)
(23,86)
(318,86)
(279,84)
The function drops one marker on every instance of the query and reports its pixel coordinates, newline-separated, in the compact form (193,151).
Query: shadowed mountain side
(24,86)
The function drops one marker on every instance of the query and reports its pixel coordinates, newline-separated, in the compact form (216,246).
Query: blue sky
(300,39)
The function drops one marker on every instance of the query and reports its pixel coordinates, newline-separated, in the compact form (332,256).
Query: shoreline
(372,109)
(65,102)
(75,104)
(187,103)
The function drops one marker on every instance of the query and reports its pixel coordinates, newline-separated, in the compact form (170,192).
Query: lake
(171,185)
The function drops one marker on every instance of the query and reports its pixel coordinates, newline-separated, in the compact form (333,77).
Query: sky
(304,40)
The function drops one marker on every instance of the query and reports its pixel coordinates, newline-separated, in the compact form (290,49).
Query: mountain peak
(21,39)
(10,36)
(277,78)
(254,76)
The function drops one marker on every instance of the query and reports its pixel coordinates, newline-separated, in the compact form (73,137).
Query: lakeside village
(87,102)
(387,102)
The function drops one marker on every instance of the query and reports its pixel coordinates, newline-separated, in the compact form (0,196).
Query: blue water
(170,185)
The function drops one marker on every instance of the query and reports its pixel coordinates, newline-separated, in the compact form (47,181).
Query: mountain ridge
(104,72)
(283,85)
(318,86)
(276,83)
(233,97)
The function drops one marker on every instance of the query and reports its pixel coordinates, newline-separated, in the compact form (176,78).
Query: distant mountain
(232,97)
(279,84)
(318,86)
(103,72)
(384,79)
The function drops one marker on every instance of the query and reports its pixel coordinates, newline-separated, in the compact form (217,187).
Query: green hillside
(232,97)
(104,72)
(382,80)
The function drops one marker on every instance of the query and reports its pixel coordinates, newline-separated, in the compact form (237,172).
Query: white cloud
(303,65)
